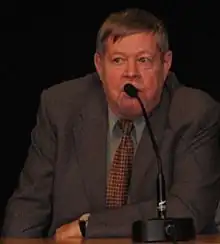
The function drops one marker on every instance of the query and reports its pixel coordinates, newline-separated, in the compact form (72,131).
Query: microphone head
(131,90)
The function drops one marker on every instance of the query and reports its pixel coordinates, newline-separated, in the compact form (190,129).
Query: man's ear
(98,63)
(167,59)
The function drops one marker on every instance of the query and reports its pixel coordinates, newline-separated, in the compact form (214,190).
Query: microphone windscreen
(130,90)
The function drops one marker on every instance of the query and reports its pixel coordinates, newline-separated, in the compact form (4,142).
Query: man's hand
(68,231)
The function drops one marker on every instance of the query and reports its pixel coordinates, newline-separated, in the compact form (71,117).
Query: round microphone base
(164,230)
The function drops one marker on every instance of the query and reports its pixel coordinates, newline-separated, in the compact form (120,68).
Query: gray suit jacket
(65,172)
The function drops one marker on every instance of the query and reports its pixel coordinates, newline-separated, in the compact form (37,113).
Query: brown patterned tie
(119,176)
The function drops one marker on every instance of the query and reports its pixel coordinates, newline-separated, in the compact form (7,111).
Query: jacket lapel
(90,136)
(145,156)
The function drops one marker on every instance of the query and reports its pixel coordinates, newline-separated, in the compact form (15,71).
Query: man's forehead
(136,44)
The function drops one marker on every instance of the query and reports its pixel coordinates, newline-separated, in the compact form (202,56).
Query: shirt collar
(112,118)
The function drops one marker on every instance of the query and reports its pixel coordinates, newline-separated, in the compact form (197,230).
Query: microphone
(161,189)
(160,229)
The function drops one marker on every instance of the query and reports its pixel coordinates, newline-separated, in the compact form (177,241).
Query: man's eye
(144,60)
(118,60)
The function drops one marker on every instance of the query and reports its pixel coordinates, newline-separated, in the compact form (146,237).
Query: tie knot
(126,126)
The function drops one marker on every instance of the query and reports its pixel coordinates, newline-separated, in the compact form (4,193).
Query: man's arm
(195,191)
(27,213)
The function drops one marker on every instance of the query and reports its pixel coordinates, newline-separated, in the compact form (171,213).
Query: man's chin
(130,112)
(129,108)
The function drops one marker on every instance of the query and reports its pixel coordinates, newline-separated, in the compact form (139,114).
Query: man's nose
(132,69)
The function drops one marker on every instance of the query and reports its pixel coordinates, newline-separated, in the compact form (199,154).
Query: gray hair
(128,22)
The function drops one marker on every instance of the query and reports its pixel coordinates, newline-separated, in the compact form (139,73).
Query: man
(71,172)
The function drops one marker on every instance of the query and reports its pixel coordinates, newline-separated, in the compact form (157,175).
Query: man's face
(135,59)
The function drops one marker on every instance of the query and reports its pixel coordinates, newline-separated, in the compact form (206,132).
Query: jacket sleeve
(28,210)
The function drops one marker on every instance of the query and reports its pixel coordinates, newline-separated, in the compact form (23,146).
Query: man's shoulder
(190,98)
(69,97)
(74,87)
(71,93)
(192,105)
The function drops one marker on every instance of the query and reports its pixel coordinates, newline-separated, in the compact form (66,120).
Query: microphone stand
(160,229)
(161,191)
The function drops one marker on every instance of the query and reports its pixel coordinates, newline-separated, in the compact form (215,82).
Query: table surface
(199,240)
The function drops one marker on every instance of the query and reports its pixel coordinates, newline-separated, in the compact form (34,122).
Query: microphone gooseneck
(132,91)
